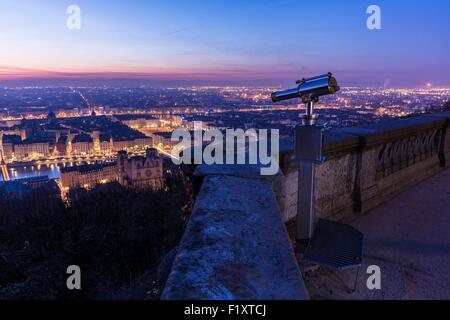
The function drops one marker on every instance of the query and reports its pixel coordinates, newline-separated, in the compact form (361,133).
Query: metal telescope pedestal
(326,243)
(308,151)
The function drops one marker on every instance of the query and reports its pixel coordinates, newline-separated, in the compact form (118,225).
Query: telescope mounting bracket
(309,117)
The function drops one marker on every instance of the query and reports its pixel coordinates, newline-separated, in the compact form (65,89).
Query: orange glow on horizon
(202,72)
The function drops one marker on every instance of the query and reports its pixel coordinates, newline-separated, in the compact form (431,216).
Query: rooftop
(87,167)
(82,137)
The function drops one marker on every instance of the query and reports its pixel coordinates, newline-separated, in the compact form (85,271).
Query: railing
(409,151)
(236,245)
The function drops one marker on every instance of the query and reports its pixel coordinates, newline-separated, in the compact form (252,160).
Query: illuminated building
(31,150)
(136,171)
(8,150)
(141,172)
(139,121)
(88,176)
(82,144)
(14,131)
(61,146)
(106,144)
(5,174)
(126,144)
(163,140)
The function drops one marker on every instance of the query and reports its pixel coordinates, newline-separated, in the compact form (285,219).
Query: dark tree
(447,105)
(118,236)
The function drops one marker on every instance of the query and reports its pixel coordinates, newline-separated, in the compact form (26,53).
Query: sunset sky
(226,42)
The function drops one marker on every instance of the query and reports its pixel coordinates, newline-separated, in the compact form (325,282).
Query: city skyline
(196,150)
(216,43)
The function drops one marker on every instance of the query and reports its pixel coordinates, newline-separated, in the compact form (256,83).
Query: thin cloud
(172,33)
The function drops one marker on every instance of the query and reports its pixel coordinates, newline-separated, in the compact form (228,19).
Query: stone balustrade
(368,165)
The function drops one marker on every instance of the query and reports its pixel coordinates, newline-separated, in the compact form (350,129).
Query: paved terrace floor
(413,230)
(409,237)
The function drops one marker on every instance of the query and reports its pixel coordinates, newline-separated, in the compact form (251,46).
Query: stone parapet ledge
(396,129)
(235,246)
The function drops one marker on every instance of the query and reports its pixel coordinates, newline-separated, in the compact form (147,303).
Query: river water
(29,171)
(53,171)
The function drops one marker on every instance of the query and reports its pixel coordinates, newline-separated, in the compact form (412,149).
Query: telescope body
(310,88)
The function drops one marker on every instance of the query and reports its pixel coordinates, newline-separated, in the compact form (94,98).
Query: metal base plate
(335,245)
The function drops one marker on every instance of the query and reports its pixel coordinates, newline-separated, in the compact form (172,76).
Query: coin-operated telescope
(326,243)
(309,89)
(308,136)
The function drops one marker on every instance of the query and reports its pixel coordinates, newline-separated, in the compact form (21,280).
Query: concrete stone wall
(235,246)
(368,165)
